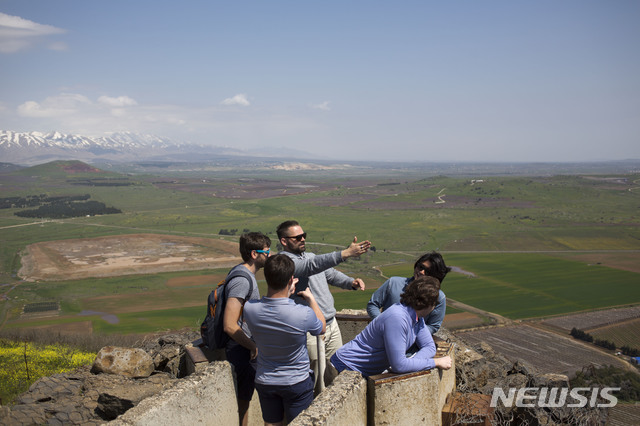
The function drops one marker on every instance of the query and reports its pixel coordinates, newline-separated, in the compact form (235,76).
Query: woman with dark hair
(384,343)
(429,264)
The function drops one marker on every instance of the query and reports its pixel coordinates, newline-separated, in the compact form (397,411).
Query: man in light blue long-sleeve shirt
(430,264)
(384,342)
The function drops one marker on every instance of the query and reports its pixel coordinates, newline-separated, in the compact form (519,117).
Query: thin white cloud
(17,34)
(75,113)
(120,101)
(239,99)
(324,106)
(118,112)
(55,106)
(59,46)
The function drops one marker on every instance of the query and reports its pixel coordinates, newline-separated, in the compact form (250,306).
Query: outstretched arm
(311,265)
(356,249)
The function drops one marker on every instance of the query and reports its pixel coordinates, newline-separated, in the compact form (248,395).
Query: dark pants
(240,358)
(278,401)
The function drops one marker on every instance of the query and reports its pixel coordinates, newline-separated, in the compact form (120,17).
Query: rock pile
(479,370)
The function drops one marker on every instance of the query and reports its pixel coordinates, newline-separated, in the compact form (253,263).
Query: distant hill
(28,148)
(63,169)
(127,152)
(9,167)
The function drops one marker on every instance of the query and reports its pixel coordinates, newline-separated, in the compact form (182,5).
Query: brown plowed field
(546,351)
(626,333)
(124,255)
(461,320)
(591,320)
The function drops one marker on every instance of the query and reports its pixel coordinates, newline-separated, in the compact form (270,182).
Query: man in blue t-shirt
(430,265)
(241,351)
(279,327)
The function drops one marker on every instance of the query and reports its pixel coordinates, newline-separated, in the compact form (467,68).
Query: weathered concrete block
(197,360)
(199,356)
(447,377)
(351,325)
(203,398)
(413,398)
(344,403)
(389,402)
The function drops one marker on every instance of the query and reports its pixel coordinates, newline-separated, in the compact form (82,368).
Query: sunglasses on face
(299,237)
(423,268)
(267,251)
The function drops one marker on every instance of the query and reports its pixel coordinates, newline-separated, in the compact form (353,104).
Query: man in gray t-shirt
(241,350)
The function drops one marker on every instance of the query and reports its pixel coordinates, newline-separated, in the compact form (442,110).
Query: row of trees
(609,376)
(66,209)
(102,182)
(38,200)
(581,335)
(225,231)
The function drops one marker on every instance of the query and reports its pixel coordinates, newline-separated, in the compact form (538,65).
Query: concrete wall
(205,398)
(410,399)
(351,325)
(344,403)
(413,398)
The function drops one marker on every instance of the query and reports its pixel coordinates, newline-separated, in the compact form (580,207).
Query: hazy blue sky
(543,80)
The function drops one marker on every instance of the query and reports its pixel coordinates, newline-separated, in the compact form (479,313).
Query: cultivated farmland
(545,351)
(519,241)
(596,319)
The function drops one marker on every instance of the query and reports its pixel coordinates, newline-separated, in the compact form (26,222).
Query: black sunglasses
(423,268)
(299,237)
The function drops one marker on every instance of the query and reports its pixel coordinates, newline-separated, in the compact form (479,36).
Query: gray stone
(523,367)
(130,362)
(551,380)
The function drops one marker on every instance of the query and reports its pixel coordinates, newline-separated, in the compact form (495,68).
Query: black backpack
(212,328)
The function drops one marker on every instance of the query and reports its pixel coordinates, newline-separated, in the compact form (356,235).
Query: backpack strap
(239,272)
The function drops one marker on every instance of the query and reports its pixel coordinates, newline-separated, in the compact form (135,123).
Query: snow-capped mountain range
(29,148)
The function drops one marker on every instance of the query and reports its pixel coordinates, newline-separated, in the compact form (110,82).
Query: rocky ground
(82,397)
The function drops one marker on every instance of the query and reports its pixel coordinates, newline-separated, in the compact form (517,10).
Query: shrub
(22,363)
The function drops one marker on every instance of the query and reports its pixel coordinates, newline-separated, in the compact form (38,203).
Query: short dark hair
(280,230)
(437,268)
(278,270)
(252,241)
(421,293)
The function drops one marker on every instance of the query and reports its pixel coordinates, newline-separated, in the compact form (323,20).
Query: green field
(514,233)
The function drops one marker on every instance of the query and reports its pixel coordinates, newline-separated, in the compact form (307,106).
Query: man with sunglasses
(316,272)
(429,264)
(241,350)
